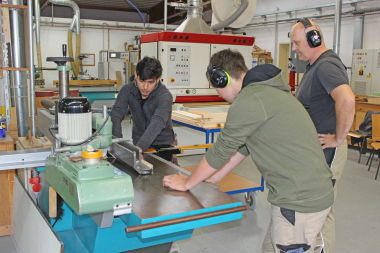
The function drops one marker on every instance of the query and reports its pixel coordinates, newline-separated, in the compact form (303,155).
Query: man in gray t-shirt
(326,95)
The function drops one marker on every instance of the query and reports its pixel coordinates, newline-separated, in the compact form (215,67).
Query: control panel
(365,71)
(113,56)
(178,65)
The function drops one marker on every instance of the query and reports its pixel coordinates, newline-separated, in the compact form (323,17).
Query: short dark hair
(231,61)
(149,68)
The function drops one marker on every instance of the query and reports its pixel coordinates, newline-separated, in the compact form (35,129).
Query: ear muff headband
(219,78)
(313,37)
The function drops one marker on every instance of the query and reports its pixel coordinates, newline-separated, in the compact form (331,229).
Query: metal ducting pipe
(19,87)
(31,68)
(194,22)
(232,18)
(37,14)
(75,26)
(165,14)
(337,26)
(76,10)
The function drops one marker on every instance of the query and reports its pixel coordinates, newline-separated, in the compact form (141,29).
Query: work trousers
(328,229)
(293,232)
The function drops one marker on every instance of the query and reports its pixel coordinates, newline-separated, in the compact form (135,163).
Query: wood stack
(201,118)
(261,56)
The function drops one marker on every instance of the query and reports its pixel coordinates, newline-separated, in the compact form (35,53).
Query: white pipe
(31,66)
(337,26)
(309,8)
(165,14)
(37,15)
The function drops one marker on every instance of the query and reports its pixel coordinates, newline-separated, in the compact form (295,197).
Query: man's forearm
(235,160)
(116,127)
(203,171)
(345,111)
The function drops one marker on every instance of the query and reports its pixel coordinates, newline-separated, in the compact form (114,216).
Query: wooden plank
(90,82)
(5,212)
(7,31)
(5,230)
(52,203)
(6,190)
(198,112)
(14,6)
(149,165)
(47,143)
(215,115)
(118,77)
(33,144)
(376,127)
(187,115)
(231,182)
(16,69)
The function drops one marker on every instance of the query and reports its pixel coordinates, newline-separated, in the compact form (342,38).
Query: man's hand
(176,182)
(328,141)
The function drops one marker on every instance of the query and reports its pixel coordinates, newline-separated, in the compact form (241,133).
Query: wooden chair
(362,143)
(365,131)
(376,140)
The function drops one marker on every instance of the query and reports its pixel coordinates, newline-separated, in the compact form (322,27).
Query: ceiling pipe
(337,26)
(309,8)
(353,12)
(165,15)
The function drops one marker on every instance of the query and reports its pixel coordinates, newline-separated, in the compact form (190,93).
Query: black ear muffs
(219,78)
(313,37)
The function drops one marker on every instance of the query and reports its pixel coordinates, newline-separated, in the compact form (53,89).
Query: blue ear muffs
(219,78)
(313,37)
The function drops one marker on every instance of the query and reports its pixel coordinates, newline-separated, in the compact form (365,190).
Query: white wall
(265,34)
(92,41)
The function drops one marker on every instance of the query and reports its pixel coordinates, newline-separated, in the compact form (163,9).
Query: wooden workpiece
(231,182)
(90,82)
(6,189)
(200,118)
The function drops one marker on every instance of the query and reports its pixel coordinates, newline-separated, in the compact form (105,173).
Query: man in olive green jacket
(268,123)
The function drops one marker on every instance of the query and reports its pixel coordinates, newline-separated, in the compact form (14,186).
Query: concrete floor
(357,215)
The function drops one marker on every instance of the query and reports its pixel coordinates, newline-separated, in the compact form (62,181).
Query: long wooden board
(231,182)
(91,82)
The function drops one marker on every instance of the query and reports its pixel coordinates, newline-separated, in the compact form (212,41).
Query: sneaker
(174,248)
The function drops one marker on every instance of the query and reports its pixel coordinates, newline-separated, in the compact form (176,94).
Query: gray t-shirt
(326,73)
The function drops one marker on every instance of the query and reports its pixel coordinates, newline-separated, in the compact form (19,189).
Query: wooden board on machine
(200,118)
(91,82)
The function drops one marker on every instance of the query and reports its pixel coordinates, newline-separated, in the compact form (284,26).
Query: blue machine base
(80,233)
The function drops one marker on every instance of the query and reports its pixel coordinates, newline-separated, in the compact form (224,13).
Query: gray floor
(357,215)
